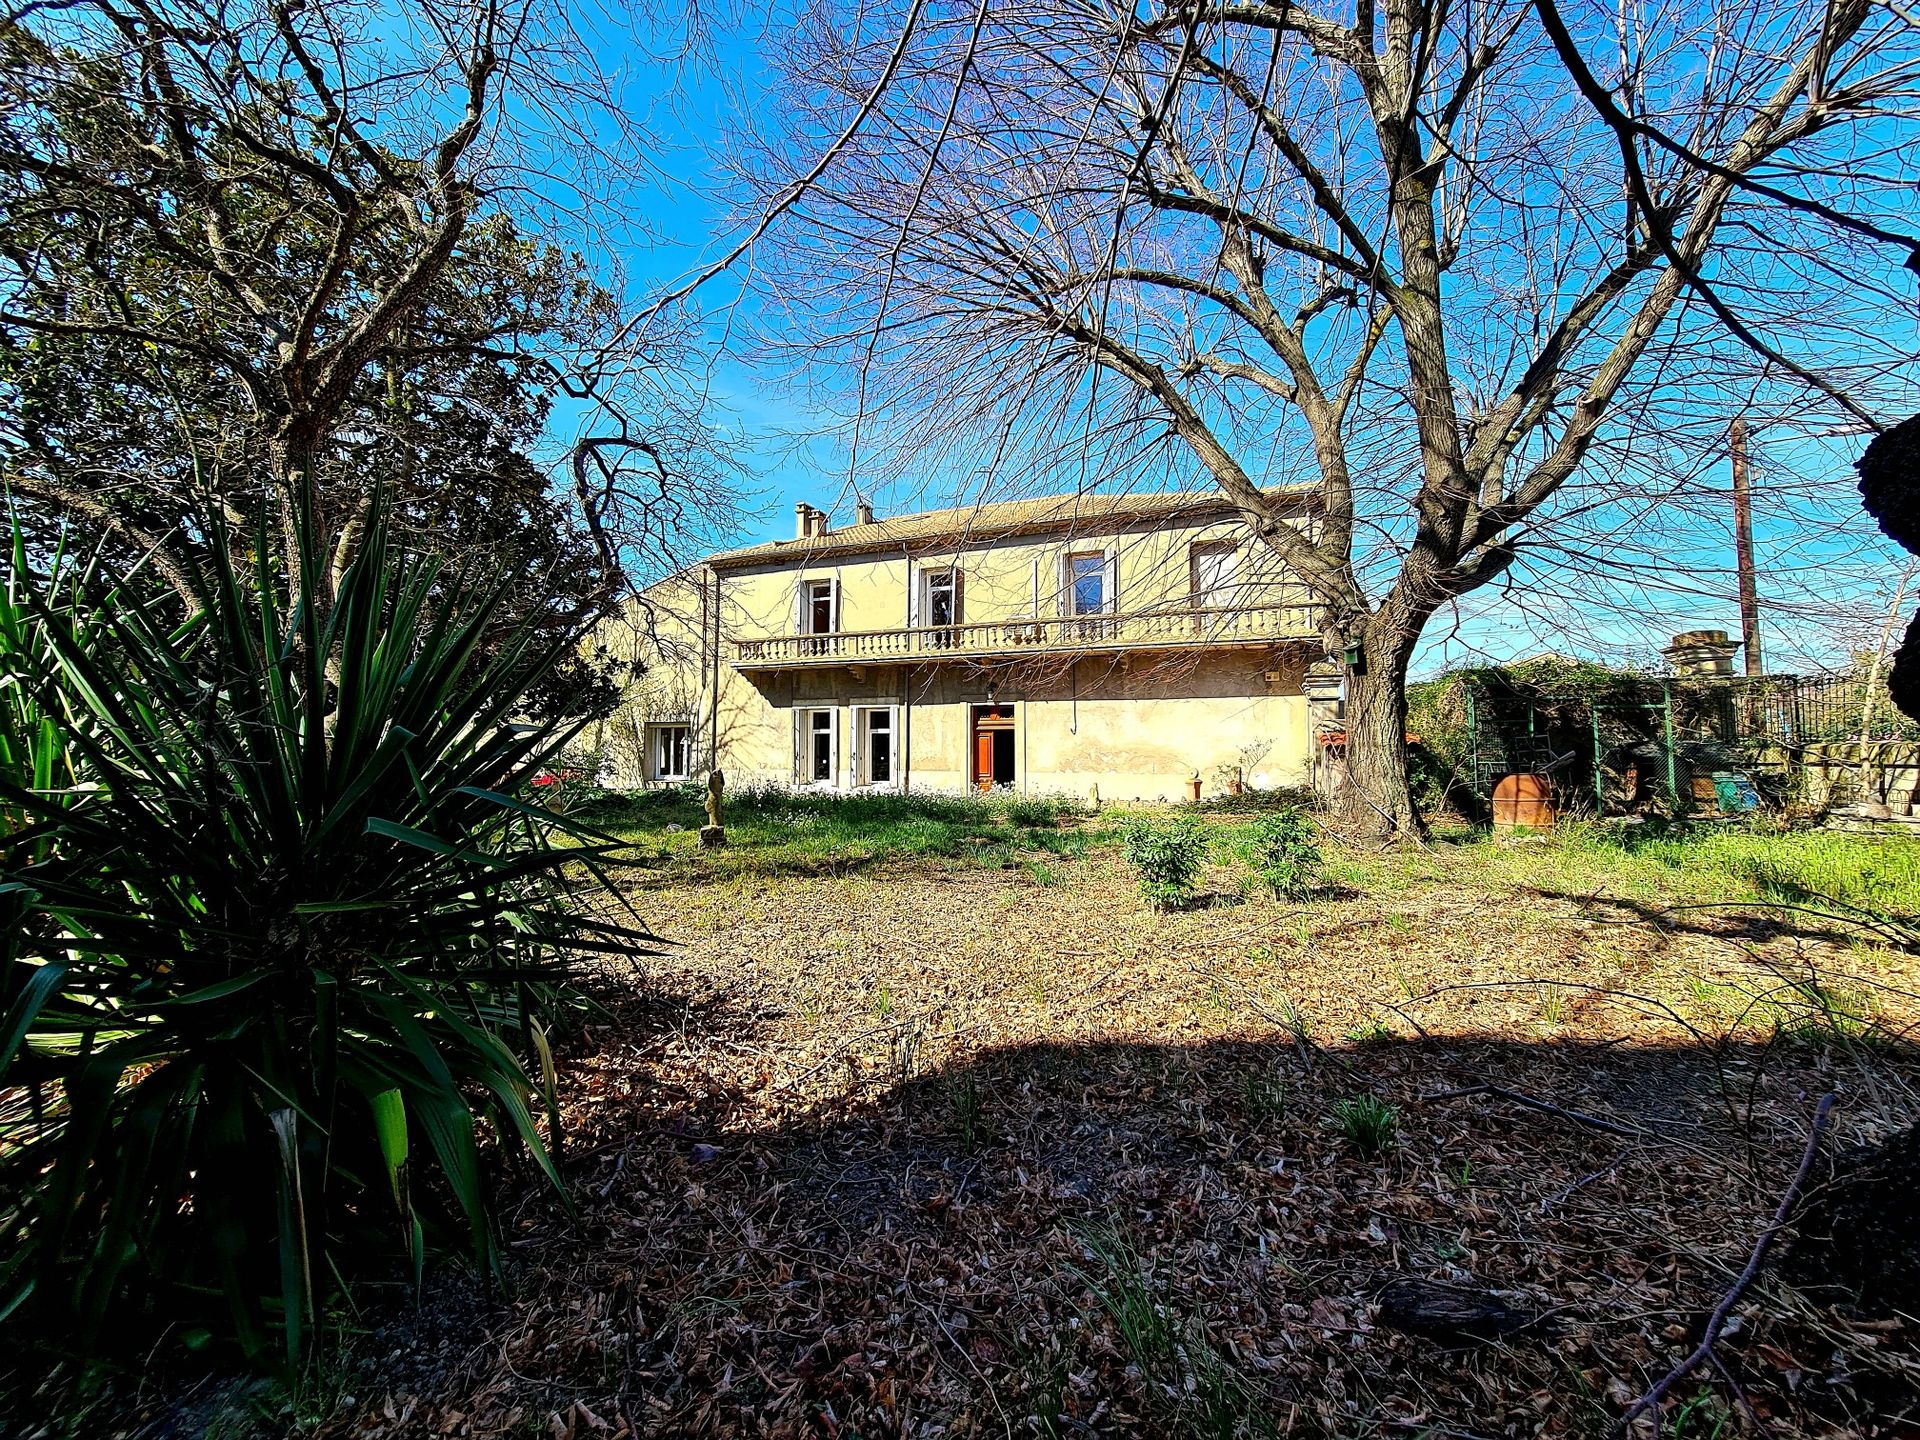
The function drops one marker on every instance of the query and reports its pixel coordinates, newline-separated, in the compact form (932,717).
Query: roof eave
(836,546)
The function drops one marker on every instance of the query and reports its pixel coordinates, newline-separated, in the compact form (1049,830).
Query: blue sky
(691,102)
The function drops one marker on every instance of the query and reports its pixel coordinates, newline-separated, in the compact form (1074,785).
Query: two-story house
(1129,643)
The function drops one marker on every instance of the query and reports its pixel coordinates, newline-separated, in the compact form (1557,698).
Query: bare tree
(1421,254)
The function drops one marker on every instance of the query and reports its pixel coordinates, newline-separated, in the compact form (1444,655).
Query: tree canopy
(1496,310)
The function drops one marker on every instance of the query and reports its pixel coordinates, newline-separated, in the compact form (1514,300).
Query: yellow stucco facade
(1053,646)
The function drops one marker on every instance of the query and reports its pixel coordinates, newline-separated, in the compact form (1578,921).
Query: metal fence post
(1673,784)
(1599,790)
(1473,740)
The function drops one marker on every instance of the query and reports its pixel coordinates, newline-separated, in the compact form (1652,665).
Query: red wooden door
(982,758)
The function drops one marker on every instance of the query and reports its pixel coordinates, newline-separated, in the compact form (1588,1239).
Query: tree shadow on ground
(1136,1239)
(1730,921)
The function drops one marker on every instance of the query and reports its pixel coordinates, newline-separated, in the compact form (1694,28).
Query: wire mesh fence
(1614,746)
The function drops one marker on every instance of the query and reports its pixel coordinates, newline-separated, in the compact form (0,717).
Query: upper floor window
(942,597)
(1087,588)
(1215,566)
(817,608)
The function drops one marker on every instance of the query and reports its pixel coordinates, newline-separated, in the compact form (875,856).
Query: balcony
(1034,638)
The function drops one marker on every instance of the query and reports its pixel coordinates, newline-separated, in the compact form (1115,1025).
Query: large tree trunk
(1377,801)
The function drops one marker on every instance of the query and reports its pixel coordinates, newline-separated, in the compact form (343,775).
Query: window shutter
(859,747)
(833,589)
(916,582)
(800,607)
(1110,583)
(959,596)
(799,746)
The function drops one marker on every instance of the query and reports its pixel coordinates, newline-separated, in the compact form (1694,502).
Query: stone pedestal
(712,836)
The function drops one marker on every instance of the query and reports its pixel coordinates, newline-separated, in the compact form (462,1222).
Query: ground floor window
(876,740)
(672,751)
(817,739)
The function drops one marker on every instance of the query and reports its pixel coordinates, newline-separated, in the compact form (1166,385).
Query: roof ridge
(992,518)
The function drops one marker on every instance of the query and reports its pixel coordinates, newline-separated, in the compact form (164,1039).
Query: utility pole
(1743,546)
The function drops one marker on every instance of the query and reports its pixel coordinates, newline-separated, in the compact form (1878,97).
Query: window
(940,606)
(1215,566)
(672,751)
(876,746)
(819,607)
(943,598)
(1087,584)
(819,615)
(817,757)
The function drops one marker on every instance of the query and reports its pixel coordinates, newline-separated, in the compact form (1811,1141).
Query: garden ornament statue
(714,832)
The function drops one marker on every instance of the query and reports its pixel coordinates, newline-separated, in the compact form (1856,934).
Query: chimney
(819,527)
(802,520)
(1703,654)
(863,513)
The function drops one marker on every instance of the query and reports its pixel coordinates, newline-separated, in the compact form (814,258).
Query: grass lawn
(928,1125)
(771,832)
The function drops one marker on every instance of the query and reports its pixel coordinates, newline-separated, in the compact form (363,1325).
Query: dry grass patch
(940,1149)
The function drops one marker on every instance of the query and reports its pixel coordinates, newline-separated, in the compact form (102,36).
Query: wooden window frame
(656,750)
(862,757)
(1199,549)
(803,750)
(1069,587)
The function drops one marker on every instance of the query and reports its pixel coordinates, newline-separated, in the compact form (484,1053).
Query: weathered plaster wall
(1136,726)
(1135,731)
(1003,579)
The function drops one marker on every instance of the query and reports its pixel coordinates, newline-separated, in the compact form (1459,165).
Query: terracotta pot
(1193,791)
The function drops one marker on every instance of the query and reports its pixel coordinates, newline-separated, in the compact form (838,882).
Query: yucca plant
(285,934)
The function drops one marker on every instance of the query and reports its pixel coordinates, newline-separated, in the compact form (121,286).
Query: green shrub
(1369,1124)
(1286,855)
(282,931)
(1168,855)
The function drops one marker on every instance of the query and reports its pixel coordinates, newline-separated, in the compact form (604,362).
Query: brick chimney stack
(863,513)
(802,520)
